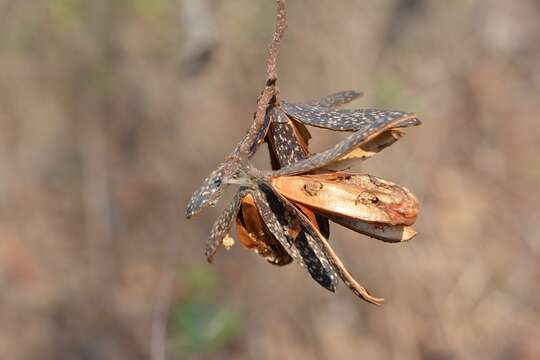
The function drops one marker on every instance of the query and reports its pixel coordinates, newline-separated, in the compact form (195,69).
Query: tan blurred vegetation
(112,112)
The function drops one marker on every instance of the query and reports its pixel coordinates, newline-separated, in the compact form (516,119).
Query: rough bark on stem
(270,90)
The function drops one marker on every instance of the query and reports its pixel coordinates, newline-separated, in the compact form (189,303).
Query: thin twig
(281,25)
(270,89)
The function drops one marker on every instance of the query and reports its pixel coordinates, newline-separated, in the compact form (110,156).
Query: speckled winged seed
(339,120)
(324,158)
(283,141)
(223,224)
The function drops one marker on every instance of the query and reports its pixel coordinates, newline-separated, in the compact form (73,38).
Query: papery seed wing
(354,196)
(280,221)
(340,120)
(329,254)
(223,225)
(327,157)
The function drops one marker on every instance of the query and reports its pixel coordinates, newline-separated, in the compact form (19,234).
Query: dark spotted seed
(276,227)
(284,143)
(326,157)
(223,225)
(339,120)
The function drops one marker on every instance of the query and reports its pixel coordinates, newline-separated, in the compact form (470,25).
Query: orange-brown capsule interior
(254,235)
(360,197)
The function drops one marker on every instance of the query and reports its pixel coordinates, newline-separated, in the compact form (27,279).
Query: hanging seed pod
(283,215)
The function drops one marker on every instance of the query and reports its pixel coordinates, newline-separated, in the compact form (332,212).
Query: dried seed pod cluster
(284,214)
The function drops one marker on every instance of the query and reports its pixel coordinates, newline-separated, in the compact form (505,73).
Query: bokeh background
(112,112)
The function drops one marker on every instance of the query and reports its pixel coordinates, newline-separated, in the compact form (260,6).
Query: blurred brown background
(112,112)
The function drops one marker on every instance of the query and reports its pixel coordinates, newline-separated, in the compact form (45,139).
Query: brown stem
(270,90)
(281,25)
